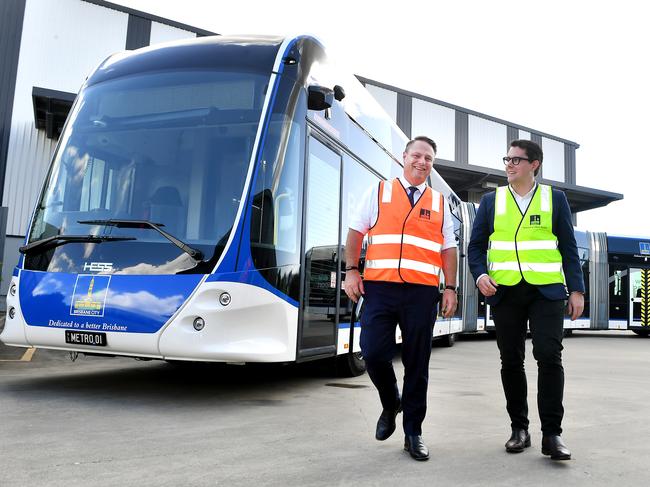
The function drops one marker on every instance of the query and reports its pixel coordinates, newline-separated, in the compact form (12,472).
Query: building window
(487,142)
(386,98)
(553,166)
(437,122)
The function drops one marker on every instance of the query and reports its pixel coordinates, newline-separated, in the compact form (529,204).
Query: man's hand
(353,285)
(576,305)
(449,303)
(487,286)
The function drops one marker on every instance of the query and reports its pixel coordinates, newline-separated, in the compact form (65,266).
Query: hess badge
(535,220)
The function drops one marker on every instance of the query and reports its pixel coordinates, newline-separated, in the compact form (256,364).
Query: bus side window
(276,213)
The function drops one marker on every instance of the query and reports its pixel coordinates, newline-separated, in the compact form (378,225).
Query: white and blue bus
(196,205)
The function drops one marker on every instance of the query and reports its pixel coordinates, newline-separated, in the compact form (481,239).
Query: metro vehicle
(197,204)
(617,280)
(616,272)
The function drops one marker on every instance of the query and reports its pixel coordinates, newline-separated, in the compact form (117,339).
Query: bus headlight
(225,299)
(198,324)
(12,289)
(12,312)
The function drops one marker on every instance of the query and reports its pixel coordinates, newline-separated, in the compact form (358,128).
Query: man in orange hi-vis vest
(410,240)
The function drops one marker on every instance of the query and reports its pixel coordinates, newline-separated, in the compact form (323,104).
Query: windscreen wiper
(56,240)
(196,254)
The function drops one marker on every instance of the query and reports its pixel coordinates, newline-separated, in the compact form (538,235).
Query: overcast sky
(576,70)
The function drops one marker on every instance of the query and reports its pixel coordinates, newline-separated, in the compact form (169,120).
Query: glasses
(515,160)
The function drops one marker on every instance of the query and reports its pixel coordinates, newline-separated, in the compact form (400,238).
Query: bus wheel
(447,340)
(642,333)
(350,365)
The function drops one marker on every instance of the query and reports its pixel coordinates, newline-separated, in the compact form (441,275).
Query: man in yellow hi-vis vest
(523,255)
(410,241)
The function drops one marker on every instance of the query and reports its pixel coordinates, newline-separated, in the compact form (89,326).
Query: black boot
(416,447)
(386,423)
(519,440)
(553,446)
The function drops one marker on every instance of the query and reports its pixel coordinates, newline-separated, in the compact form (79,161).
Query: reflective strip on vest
(387,194)
(435,201)
(546,197)
(413,265)
(525,267)
(407,239)
(525,245)
(500,201)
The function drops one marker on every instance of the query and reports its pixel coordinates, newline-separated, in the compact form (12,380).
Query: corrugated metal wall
(138,32)
(404,114)
(462,138)
(437,122)
(513,134)
(30,154)
(570,163)
(11,26)
(167,33)
(488,141)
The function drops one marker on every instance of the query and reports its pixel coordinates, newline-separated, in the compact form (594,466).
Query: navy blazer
(562,229)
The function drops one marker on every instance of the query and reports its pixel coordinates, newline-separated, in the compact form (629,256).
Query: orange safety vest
(405,244)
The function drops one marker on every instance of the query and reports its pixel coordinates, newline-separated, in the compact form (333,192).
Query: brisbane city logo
(89,296)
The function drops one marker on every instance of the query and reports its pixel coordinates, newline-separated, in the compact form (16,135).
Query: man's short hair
(422,138)
(533,151)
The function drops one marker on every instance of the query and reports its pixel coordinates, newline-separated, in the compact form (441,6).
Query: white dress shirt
(523,201)
(367,211)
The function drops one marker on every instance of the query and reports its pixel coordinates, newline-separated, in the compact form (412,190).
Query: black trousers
(413,307)
(522,304)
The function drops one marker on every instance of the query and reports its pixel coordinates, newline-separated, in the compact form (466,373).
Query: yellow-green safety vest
(524,246)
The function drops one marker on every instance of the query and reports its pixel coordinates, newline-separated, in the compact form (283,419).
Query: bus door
(321,256)
(639,309)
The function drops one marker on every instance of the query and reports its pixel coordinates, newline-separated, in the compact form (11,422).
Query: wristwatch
(451,288)
(351,267)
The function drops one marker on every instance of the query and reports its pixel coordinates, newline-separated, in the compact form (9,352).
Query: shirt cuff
(479,278)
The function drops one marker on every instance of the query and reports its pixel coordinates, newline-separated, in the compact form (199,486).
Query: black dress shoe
(519,440)
(416,447)
(554,446)
(386,423)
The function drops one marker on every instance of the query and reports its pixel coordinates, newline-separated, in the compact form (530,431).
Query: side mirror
(320,98)
(339,92)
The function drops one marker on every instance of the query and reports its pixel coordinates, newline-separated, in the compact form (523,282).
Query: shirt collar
(530,193)
(407,185)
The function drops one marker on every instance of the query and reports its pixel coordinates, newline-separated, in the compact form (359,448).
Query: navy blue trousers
(414,307)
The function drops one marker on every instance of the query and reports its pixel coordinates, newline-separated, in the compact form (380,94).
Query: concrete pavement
(117,421)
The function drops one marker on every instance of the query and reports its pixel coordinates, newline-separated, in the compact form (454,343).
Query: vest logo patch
(425,214)
(535,220)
